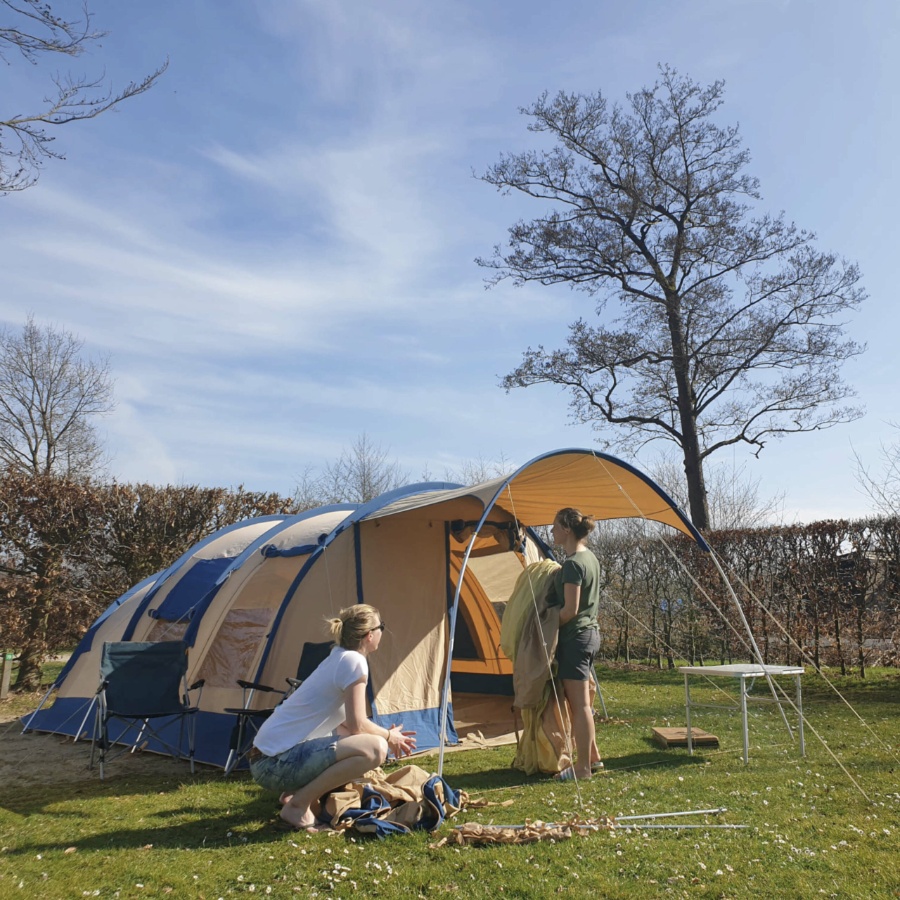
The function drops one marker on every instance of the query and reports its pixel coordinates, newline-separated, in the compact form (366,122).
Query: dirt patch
(54,759)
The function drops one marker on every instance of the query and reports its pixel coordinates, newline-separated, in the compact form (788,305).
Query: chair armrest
(254,686)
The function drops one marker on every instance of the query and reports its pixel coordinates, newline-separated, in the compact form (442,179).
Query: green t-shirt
(581,568)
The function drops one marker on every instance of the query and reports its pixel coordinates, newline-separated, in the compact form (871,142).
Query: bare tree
(31,29)
(309,493)
(733,496)
(476,471)
(883,490)
(720,328)
(48,396)
(361,473)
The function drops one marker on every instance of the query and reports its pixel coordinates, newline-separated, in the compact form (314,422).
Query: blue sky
(276,245)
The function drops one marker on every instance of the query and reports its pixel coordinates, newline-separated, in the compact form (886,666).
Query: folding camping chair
(140,682)
(248,720)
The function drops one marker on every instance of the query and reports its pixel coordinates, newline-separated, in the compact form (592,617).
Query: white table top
(742,670)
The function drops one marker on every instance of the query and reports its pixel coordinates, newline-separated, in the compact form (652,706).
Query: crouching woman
(320,738)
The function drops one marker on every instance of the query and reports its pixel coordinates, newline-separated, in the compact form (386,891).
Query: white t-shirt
(316,708)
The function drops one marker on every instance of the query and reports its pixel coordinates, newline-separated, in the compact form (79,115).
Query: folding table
(746,674)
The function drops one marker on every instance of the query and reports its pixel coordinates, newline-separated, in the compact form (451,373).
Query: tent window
(166,631)
(235,647)
(463,642)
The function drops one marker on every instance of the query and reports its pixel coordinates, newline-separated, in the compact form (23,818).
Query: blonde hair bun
(352,625)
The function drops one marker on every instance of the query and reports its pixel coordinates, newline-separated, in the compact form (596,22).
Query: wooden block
(677,737)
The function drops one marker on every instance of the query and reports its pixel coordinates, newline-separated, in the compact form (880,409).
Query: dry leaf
(529,833)
(482,803)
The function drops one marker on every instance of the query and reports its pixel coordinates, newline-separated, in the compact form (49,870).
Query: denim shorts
(576,655)
(297,767)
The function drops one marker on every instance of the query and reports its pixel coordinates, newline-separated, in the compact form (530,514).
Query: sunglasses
(380,627)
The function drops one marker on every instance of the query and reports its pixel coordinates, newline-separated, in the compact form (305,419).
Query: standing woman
(577,591)
(320,738)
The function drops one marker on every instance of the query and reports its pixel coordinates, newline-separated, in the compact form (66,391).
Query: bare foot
(285,798)
(302,820)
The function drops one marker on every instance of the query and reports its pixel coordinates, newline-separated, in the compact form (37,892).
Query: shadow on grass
(29,800)
(207,814)
(653,756)
(232,828)
(491,779)
(494,778)
(877,689)
(638,676)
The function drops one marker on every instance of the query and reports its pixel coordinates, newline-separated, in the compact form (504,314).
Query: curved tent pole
(454,610)
(281,523)
(505,485)
(180,562)
(355,513)
(257,546)
(445,692)
(602,458)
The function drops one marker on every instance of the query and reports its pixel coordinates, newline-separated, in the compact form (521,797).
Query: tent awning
(596,483)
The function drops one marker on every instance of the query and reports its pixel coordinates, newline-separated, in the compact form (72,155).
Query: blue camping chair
(140,683)
(248,719)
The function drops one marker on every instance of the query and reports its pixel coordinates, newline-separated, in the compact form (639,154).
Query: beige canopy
(593,482)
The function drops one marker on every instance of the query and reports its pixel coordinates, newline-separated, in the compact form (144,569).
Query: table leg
(744,720)
(687,706)
(800,714)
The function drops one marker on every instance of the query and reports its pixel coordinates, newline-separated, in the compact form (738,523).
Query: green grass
(811,832)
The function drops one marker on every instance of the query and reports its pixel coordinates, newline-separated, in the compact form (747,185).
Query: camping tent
(437,560)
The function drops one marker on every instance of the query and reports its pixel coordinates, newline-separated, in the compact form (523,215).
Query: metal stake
(689,812)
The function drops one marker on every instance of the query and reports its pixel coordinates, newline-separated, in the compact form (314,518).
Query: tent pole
(445,695)
(701,541)
(599,692)
(84,720)
(757,654)
(40,707)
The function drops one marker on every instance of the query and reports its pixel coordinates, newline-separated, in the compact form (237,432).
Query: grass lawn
(811,832)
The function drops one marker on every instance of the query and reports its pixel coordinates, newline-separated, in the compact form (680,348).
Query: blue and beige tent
(438,560)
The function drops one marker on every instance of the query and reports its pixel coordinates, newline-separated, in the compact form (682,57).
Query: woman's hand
(400,742)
